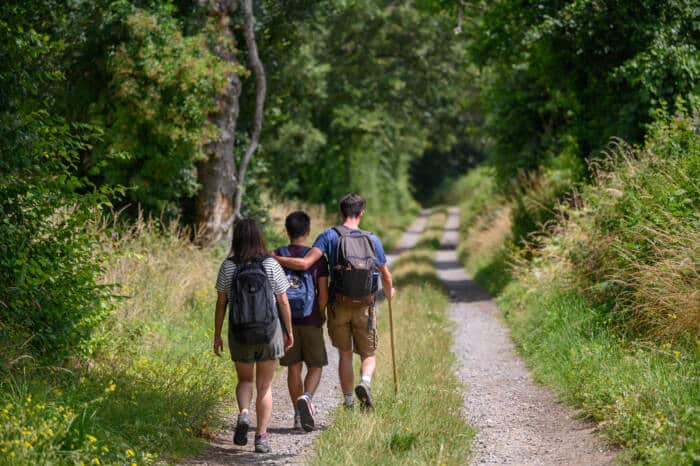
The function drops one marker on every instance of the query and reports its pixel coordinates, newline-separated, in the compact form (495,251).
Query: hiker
(354,257)
(252,283)
(308,296)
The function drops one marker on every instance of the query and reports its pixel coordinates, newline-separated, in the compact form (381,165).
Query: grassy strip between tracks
(423,424)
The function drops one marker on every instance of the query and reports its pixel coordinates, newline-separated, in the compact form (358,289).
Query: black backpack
(355,263)
(252,311)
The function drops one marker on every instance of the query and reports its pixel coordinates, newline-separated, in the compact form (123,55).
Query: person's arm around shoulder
(300,263)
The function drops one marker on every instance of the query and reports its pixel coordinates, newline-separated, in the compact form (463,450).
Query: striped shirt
(275,275)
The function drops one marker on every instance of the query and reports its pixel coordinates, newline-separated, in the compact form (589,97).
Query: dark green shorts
(309,347)
(241,352)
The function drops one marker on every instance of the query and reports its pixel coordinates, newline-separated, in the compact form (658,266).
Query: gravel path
(518,421)
(288,445)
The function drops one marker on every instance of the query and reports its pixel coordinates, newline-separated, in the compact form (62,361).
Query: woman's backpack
(252,312)
(301,292)
(355,263)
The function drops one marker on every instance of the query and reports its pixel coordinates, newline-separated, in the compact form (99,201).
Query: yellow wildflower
(91,438)
(130,453)
(96,461)
(105,449)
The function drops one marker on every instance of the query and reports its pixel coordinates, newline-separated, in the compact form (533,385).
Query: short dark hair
(352,205)
(247,242)
(297,224)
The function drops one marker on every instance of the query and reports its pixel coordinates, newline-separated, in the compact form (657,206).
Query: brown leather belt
(348,301)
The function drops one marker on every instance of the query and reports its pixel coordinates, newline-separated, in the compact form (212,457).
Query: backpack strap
(284,251)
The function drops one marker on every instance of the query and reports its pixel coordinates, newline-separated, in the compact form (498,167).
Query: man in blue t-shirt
(351,327)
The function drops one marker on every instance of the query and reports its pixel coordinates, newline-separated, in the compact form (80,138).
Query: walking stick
(393,351)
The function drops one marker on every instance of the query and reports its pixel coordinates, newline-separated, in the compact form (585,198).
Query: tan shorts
(353,328)
(309,347)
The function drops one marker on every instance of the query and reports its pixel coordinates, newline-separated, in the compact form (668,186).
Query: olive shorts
(353,328)
(241,352)
(309,347)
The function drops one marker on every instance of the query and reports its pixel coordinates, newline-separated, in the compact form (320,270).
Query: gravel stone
(518,421)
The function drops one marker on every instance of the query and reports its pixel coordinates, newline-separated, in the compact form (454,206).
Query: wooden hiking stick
(393,351)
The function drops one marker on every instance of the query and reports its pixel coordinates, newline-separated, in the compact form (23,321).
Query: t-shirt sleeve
(223,280)
(379,248)
(323,242)
(278,279)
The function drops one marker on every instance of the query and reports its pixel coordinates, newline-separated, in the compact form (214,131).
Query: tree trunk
(217,173)
(260,91)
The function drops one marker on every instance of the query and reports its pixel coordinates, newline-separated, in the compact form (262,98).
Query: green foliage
(570,75)
(162,87)
(151,389)
(637,247)
(49,263)
(434,173)
(359,92)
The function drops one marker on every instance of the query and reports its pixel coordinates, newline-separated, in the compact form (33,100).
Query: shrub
(633,244)
(49,298)
(642,253)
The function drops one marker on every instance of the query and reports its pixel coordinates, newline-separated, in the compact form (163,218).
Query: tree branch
(260,85)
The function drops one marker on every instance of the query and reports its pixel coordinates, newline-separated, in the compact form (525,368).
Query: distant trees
(562,78)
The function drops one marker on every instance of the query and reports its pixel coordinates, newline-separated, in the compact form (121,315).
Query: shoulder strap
(284,251)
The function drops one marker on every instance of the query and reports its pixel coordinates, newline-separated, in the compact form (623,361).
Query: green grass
(151,386)
(423,424)
(646,397)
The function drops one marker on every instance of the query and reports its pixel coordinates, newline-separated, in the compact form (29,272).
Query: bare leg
(294,382)
(265,371)
(369,364)
(345,371)
(312,379)
(244,389)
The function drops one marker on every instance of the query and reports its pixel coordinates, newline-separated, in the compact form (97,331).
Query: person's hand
(288,341)
(218,345)
(391,293)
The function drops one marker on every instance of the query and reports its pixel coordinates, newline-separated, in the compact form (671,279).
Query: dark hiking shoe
(240,436)
(306,411)
(364,394)
(297,421)
(262,443)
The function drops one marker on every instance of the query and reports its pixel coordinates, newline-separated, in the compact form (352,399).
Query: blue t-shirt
(327,242)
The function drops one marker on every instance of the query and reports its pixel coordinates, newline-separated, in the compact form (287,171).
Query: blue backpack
(301,292)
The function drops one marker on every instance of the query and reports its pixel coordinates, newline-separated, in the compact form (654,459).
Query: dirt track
(289,446)
(518,421)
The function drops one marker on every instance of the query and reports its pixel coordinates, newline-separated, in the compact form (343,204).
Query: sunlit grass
(424,423)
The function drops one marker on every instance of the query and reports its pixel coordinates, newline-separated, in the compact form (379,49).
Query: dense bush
(568,76)
(639,243)
(49,264)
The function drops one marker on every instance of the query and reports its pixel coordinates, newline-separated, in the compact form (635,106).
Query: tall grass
(149,389)
(423,424)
